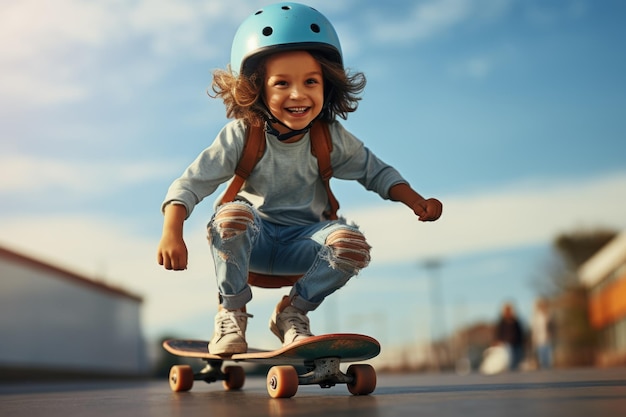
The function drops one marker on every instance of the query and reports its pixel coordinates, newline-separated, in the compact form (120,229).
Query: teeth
(297,109)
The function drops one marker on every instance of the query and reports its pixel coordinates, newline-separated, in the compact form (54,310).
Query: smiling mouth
(297,110)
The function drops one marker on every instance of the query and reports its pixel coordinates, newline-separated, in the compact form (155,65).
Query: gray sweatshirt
(285,185)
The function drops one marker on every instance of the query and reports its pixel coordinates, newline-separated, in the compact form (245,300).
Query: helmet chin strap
(285,136)
(269,119)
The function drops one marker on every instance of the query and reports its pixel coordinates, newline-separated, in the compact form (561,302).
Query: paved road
(567,393)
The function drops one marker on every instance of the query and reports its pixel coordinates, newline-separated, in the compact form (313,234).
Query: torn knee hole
(233,220)
(349,248)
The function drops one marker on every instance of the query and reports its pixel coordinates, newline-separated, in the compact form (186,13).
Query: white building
(55,322)
(604,274)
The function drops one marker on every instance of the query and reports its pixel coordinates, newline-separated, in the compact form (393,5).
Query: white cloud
(173,26)
(431,18)
(476,68)
(47,25)
(39,90)
(34,175)
(41,45)
(51,48)
(544,14)
(520,215)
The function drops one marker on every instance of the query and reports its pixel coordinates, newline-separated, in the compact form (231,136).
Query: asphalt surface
(568,393)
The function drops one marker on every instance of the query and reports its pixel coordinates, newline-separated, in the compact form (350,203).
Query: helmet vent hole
(258,13)
(315,28)
(267,31)
(286,7)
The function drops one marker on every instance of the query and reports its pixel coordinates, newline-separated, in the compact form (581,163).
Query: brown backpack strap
(253,150)
(321,147)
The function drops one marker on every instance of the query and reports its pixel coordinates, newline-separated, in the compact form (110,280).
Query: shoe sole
(228,350)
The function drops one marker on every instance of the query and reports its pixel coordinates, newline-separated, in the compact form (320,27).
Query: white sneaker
(230,332)
(290,325)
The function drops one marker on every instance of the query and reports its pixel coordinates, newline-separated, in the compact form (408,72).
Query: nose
(296,92)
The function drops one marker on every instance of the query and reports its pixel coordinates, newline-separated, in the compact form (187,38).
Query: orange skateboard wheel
(235,378)
(364,381)
(181,378)
(282,381)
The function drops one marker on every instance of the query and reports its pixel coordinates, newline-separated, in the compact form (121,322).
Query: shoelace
(228,321)
(298,322)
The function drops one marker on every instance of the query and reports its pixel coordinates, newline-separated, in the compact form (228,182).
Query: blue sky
(512,112)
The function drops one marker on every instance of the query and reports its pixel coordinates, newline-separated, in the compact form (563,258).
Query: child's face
(294,88)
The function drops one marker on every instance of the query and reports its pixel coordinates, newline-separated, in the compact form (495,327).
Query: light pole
(437,319)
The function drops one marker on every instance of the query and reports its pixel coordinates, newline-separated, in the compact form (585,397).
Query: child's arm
(426,209)
(172,251)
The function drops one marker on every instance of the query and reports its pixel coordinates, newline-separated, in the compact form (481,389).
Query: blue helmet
(283,27)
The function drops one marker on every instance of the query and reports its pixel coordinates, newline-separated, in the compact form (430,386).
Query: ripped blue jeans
(327,254)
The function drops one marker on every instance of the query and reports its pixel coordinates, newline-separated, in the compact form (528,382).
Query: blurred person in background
(509,332)
(542,333)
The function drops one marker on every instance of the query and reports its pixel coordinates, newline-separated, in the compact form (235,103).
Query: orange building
(605,276)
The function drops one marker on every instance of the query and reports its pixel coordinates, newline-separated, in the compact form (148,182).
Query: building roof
(62,273)
(605,261)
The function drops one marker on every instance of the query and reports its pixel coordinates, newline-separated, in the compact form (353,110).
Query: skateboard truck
(325,372)
(211,372)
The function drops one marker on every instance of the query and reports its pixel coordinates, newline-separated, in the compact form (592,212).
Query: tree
(578,246)
(570,251)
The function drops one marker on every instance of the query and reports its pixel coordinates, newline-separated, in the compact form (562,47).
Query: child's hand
(172,253)
(428,210)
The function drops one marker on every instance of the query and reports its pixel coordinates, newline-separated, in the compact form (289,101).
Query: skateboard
(321,357)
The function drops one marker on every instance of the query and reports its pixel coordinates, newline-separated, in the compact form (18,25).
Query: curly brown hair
(242,95)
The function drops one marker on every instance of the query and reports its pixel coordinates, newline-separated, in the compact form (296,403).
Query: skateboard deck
(320,355)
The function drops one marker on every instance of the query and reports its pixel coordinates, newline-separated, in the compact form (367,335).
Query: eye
(312,81)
